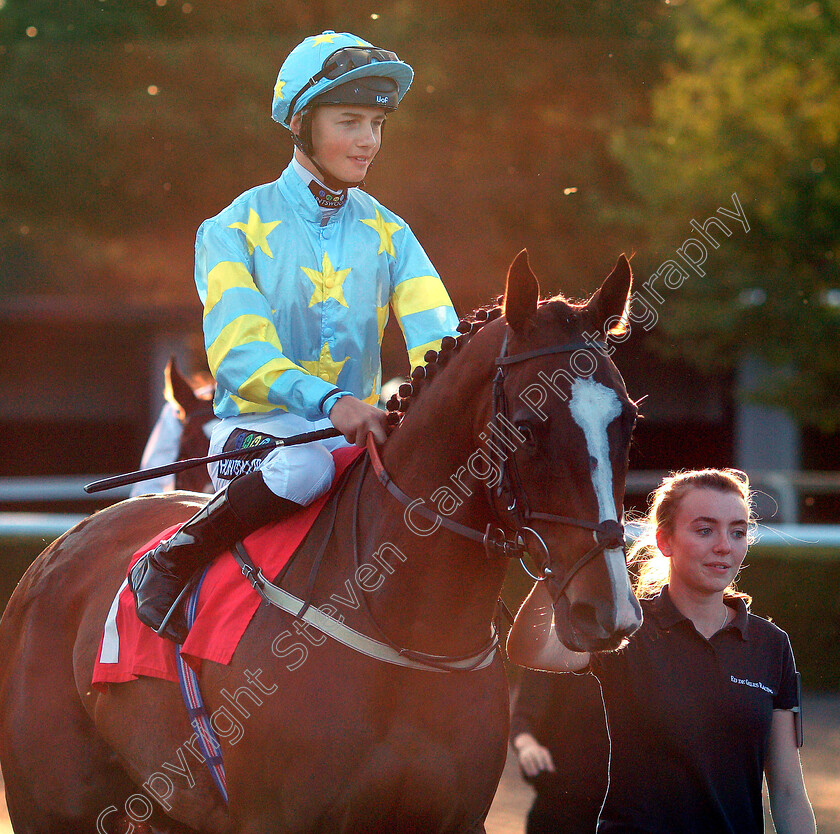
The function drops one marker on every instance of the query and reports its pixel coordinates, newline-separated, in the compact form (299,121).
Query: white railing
(793,535)
(779,491)
(784,488)
(44,489)
(37,525)
(56,488)
(51,525)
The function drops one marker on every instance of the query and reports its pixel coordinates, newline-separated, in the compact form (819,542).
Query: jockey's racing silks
(295,304)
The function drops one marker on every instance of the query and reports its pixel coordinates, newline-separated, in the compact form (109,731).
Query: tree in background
(751,106)
(125,124)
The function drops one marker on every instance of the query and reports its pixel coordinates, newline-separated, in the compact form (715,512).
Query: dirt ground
(820,762)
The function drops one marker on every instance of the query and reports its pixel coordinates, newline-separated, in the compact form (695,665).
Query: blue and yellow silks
(294,309)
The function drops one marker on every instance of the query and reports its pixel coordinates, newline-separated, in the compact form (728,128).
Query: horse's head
(527,401)
(564,422)
(195,411)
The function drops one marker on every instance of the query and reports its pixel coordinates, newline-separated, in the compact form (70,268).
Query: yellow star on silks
(385,232)
(323,38)
(278,88)
(373,397)
(327,282)
(325,366)
(256,233)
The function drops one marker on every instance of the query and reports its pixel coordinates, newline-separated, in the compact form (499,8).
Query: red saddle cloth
(226,603)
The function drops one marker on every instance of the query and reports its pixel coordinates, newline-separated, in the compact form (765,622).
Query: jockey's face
(345,139)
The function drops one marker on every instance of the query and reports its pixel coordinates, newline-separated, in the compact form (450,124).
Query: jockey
(296,278)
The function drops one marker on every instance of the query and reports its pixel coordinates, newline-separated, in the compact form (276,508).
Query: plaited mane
(565,311)
(408,392)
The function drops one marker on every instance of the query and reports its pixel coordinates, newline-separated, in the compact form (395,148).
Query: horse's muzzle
(596,625)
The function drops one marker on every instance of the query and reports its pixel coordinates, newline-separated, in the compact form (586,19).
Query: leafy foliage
(127,122)
(752,106)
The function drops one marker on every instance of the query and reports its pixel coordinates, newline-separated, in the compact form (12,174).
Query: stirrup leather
(173,609)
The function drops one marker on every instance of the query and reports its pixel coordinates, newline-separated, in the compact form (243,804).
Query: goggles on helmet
(340,62)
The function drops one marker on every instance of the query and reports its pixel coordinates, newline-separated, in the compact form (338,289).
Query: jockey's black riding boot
(159,577)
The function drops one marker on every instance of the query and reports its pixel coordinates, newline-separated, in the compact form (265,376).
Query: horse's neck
(442,594)
(436,436)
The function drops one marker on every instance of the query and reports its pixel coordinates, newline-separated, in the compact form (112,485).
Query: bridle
(496,542)
(608,534)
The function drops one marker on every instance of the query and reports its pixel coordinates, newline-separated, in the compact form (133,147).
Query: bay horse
(518,420)
(182,431)
(195,411)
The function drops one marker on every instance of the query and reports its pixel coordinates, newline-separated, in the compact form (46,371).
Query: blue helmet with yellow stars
(338,68)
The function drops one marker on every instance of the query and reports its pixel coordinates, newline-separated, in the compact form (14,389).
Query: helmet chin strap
(332,182)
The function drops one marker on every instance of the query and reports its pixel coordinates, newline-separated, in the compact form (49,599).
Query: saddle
(225,605)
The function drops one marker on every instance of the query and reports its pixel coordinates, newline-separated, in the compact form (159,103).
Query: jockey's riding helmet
(336,68)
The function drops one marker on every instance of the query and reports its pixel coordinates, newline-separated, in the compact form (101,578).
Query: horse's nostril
(584,618)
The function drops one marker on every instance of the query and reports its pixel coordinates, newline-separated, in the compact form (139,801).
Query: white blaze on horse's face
(594,407)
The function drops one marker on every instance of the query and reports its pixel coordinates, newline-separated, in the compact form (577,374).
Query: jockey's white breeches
(297,473)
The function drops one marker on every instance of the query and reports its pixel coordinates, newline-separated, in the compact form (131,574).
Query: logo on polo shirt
(745,682)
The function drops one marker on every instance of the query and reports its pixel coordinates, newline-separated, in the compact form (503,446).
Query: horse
(195,411)
(182,431)
(517,419)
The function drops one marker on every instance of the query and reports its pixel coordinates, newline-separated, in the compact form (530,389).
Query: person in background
(559,734)
(296,277)
(702,702)
(161,448)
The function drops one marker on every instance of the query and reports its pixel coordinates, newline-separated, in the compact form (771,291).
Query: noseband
(608,535)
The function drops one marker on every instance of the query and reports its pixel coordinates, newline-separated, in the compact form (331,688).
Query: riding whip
(181,465)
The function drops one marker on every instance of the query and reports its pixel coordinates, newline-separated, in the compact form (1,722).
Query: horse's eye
(526,431)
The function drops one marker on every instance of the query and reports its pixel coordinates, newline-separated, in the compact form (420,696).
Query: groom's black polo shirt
(690,719)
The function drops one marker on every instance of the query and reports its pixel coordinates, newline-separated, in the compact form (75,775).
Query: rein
(384,650)
(474,659)
(494,540)
(608,534)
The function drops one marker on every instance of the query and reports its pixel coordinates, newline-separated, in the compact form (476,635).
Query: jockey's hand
(533,757)
(354,419)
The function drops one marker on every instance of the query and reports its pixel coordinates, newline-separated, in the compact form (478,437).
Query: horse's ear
(611,302)
(522,293)
(178,390)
